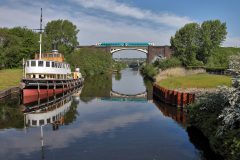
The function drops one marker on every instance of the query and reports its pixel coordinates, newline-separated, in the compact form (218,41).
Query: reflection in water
(96,86)
(131,82)
(176,114)
(118,76)
(102,128)
(10,117)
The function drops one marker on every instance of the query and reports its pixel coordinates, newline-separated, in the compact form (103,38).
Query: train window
(34,122)
(47,64)
(33,63)
(41,122)
(40,63)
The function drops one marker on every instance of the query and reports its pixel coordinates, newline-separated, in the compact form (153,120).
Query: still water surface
(96,126)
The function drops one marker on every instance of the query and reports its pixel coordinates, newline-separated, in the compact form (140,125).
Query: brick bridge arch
(151,51)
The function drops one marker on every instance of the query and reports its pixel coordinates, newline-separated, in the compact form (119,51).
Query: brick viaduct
(151,51)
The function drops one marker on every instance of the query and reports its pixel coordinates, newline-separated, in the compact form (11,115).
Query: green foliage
(168,63)
(217,115)
(185,44)
(118,66)
(91,61)
(118,76)
(221,56)
(213,33)
(71,114)
(10,115)
(15,44)
(63,33)
(149,71)
(194,44)
(96,86)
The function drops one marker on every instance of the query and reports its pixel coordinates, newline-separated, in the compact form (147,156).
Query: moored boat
(48,75)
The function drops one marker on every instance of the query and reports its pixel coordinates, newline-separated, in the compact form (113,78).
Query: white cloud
(92,29)
(232,42)
(122,9)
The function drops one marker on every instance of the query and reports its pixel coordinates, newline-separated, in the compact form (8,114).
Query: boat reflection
(53,110)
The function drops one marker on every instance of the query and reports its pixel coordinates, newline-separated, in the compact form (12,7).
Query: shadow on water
(196,137)
(202,143)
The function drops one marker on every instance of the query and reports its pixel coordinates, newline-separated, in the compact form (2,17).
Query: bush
(149,71)
(168,63)
(221,57)
(217,115)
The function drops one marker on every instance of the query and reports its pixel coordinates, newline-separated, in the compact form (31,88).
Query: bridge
(117,94)
(153,52)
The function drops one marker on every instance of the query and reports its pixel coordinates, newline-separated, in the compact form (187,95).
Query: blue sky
(124,20)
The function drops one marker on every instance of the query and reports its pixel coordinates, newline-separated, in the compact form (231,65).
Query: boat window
(48,120)
(34,122)
(33,63)
(50,55)
(40,63)
(41,122)
(53,64)
(47,64)
(53,118)
(27,63)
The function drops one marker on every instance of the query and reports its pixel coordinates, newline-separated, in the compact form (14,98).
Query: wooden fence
(175,98)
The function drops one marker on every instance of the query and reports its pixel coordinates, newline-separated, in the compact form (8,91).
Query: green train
(123,44)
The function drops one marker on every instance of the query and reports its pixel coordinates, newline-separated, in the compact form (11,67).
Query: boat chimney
(54,47)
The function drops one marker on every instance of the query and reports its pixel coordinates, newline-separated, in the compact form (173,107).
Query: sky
(124,20)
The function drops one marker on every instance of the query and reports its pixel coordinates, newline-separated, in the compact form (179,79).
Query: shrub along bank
(217,115)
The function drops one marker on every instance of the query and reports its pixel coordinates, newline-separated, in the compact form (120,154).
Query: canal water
(93,124)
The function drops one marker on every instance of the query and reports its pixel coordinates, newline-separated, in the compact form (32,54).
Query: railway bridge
(152,52)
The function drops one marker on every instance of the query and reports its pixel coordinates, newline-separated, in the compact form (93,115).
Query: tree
(15,44)
(194,44)
(63,33)
(213,33)
(185,43)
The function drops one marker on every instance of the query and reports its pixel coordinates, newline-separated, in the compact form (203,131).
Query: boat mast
(40,41)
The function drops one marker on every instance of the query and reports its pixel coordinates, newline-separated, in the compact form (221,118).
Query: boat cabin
(49,66)
(52,56)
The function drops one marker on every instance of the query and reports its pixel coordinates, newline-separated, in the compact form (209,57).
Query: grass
(10,78)
(196,81)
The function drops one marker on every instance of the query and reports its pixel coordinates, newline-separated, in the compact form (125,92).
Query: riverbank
(216,115)
(10,78)
(215,111)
